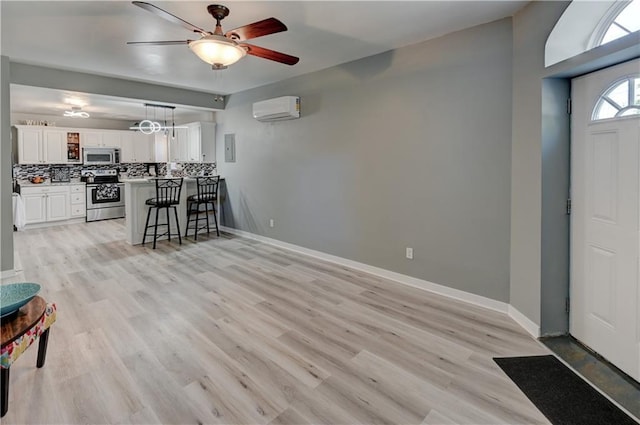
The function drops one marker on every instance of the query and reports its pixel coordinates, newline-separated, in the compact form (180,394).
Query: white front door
(605,223)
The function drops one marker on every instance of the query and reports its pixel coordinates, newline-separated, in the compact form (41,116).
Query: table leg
(4,401)
(42,347)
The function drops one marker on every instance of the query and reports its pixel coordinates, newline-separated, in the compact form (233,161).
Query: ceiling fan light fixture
(217,50)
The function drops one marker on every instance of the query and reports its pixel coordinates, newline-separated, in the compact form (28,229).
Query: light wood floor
(229,330)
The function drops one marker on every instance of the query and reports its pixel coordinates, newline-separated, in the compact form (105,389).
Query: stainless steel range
(105,195)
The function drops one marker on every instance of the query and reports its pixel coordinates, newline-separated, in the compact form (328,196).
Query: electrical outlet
(271,223)
(409,253)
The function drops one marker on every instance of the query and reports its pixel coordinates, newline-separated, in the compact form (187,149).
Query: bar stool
(207,195)
(167,196)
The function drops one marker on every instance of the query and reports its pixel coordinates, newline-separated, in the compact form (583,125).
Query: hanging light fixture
(76,112)
(148,126)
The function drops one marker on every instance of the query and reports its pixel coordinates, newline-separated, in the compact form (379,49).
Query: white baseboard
(7,273)
(524,321)
(55,223)
(377,271)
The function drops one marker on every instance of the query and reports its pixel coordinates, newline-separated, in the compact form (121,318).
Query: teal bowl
(15,295)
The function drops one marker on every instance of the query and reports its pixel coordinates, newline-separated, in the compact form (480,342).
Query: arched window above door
(622,19)
(621,99)
(587,24)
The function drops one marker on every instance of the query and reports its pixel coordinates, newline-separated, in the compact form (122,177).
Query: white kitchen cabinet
(91,139)
(207,141)
(195,143)
(144,147)
(42,146)
(35,207)
(101,139)
(44,204)
(78,201)
(178,145)
(112,139)
(137,147)
(161,149)
(29,145)
(55,146)
(127,153)
(58,205)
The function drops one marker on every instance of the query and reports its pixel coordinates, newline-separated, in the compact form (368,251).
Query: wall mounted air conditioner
(277,109)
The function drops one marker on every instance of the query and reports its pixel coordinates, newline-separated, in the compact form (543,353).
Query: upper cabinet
(137,147)
(178,141)
(112,139)
(30,146)
(91,139)
(47,145)
(195,143)
(55,146)
(101,138)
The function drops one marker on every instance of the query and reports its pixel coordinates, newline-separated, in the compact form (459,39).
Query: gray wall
(531,27)
(410,148)
(6,209)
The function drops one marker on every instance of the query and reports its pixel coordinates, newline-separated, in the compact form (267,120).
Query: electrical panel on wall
(229,148)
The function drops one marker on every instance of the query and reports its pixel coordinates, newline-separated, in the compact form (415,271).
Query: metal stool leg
(215,219)
(155,229)
(166,210)
(186,231)
(175,211)
(146,226)
(197,220)
(206,215)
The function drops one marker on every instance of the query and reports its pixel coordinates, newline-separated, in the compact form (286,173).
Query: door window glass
(621,99)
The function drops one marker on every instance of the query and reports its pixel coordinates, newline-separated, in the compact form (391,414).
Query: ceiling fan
(222,49)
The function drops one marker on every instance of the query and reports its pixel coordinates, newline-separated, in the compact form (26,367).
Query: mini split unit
(277,109)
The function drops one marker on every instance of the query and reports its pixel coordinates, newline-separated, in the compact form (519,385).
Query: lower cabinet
(43,204)
(78,200)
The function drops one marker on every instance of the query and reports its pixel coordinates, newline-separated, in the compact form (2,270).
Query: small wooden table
(19,331)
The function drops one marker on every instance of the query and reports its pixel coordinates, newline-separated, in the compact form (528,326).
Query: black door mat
(561,395)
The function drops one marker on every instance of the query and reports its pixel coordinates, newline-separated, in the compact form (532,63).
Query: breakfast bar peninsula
(137,191)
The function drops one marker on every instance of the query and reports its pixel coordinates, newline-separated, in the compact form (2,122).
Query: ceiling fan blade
(256,29)
(168,16)
(160,43)
(261,52)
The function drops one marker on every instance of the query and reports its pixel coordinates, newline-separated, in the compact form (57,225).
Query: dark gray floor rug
(561,395)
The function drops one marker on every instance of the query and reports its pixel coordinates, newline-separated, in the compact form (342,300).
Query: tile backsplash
(24,172)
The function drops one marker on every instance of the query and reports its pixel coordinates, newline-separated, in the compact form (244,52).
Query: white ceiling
(90,36)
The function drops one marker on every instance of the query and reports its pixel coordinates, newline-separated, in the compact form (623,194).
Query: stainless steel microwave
(100,156)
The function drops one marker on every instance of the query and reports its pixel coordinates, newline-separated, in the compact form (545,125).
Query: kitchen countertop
(27,183)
